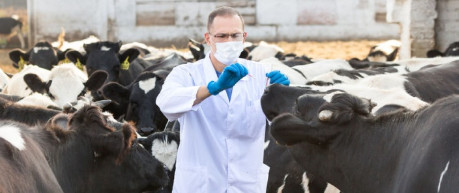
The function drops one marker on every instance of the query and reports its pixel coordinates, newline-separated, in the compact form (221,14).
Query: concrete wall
(425,24)
(447,23)
(166,22)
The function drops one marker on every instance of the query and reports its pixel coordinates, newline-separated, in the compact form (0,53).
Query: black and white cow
(287,176)
(139,98)
(17,86)
(347,76)
(23,165)
(452,50)
(385,51)
(105,56)
(42,54)
(11,26)
(335,137)
(65,83)
(29,115)
(90,156)
(429,84)
(164,146)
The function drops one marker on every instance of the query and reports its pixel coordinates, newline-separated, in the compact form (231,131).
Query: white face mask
(228,52)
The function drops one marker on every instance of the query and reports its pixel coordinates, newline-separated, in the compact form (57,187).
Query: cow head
(138,172)
(281,99)
(42,55)
(66,83)
(141,100)
(318,118)
(163,146)
(104,140)
(104,56)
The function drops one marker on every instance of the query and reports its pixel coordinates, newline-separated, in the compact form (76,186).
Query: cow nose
(146,130)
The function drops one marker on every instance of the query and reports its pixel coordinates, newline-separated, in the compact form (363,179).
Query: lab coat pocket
(190,179)
(263,175)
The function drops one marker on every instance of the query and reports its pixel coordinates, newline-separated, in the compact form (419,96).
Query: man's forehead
(226,24)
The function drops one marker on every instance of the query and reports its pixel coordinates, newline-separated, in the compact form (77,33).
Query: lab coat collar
(211,75)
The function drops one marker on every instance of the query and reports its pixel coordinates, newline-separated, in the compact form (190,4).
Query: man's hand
(229,77)
(277,77)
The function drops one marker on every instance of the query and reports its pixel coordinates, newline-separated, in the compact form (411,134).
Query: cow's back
(431,155)
(23,166)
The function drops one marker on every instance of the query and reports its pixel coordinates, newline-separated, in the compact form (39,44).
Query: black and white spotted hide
(163,146)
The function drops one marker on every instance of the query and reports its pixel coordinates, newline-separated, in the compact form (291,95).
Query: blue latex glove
(277,77)
(230,75)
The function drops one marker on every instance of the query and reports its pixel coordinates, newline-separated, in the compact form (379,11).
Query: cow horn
(103,103)
(325,115)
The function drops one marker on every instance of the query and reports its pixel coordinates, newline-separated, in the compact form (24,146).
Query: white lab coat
(221,141)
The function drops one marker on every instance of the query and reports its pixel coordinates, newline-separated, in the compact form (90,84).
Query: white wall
(165,22)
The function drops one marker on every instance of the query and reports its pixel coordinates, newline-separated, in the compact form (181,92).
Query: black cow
(338,139)
(42,54)
(90,156)
(11,26)
(452,50)
(105,56)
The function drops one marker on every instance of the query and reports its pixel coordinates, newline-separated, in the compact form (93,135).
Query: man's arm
(202,94)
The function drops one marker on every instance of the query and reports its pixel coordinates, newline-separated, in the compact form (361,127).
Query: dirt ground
(324,50)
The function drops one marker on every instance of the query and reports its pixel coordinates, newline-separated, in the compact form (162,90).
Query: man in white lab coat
(217,102)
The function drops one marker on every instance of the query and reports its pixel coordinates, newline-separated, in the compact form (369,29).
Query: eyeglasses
(234,36)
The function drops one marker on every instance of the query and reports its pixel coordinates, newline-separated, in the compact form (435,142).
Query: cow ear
(60,120)
(61,54)
(127,57)
(96,80)
(195,48)
(91,46)
(35,83)
(19,58)
(344,107)
(244,54)
(116,92)
(76,57)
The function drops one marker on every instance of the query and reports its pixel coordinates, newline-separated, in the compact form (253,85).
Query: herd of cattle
(81,117)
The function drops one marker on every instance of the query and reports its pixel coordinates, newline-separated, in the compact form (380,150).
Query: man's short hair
(223,11)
